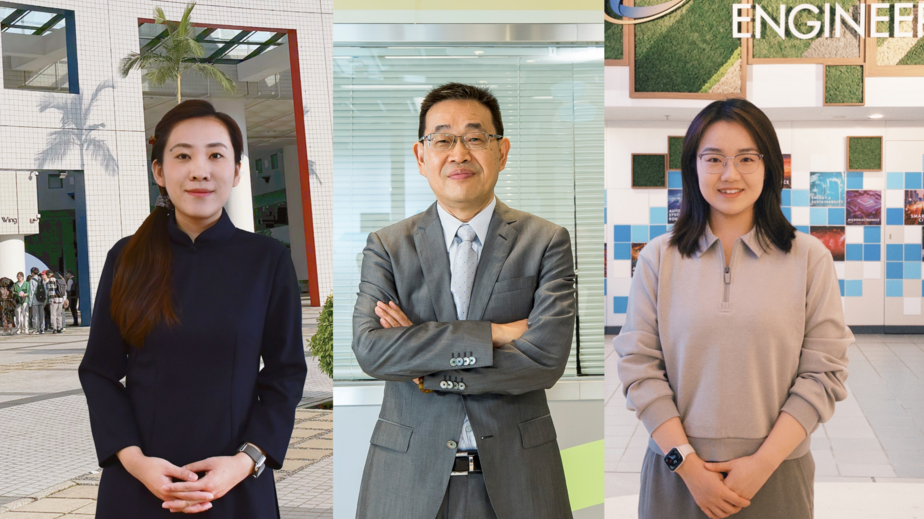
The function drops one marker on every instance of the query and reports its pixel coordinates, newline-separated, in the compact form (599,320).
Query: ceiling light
(876,116)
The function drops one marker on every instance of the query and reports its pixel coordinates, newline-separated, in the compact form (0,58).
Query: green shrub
(322,342)
(682,51)
(864,153)
(674,149)
(844,83)
(648,171)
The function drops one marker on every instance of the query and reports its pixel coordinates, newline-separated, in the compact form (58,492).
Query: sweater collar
(221,231)
(750,240)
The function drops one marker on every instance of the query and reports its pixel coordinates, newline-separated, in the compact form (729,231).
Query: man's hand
(715,499)
(745,475)
(502,334)
(391,316)
(155,473)
(222,474)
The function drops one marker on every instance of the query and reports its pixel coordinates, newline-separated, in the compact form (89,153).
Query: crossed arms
(533,360)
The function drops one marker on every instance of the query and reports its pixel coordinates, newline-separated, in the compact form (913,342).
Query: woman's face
(19,277)
(730,192)
(198,169)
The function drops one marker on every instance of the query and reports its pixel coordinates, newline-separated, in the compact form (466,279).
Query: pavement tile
(50,504)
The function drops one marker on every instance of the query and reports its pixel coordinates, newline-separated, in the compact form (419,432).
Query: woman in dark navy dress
(185,310)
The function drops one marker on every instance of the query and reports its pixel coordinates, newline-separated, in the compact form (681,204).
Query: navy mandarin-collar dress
(196,390)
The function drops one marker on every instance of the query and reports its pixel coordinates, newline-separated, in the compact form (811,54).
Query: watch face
(673,459)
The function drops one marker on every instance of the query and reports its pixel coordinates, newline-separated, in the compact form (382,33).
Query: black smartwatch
(258,458)
(675,458)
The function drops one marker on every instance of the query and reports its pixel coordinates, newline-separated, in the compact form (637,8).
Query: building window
(55,181)
(39,48)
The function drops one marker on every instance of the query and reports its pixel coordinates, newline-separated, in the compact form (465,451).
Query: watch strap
(259,459)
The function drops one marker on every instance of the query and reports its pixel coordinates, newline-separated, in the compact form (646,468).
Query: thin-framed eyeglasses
(472,141)
(745,163)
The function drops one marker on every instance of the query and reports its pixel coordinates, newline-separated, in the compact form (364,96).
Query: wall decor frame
(836,70)
(858,144)
(646,173)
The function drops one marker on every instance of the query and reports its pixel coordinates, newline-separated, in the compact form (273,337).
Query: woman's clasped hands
(191,494)
(720,495)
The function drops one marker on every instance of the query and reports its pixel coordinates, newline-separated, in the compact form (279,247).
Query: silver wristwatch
(258,458)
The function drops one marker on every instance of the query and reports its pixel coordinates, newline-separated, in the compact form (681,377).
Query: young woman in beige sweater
(734,346)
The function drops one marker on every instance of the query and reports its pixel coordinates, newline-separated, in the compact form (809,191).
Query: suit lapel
(434,260)
(499,241)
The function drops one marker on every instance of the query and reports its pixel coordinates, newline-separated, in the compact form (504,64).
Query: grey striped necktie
(463,271)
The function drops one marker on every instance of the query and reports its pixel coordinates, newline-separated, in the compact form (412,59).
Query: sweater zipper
(727,283)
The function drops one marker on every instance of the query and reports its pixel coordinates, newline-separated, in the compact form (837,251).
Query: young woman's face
(198,169)
(730,192)
(19,277)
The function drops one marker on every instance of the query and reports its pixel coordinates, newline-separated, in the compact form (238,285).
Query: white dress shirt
(479,224)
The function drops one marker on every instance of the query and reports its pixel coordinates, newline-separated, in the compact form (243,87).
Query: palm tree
(75,131)
(181,53)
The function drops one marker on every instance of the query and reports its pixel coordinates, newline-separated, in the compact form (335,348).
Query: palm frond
(57,147)
(211,71)
(101,154)
(160,75)
(185,26)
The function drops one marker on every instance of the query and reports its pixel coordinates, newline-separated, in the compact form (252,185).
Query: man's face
(461,178)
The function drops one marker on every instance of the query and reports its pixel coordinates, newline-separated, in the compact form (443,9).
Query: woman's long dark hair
(142,282)
(772,226)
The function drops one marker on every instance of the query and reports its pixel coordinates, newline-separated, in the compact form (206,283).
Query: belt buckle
(471,463)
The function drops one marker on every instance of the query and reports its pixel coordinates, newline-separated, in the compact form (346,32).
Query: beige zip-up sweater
(728,349)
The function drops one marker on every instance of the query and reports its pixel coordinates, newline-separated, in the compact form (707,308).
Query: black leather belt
(466,463)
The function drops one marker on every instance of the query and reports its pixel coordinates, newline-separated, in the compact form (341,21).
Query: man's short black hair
(460,92)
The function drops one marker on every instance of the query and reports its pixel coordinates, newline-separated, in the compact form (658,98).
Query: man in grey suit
(467,311)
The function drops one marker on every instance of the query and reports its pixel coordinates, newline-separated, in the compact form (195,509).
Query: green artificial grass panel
(721,72)
(674,149)
(888,26)
(612,36)
(844,84)
(682,51)
(770,45)
(865,153)
(915,56)
(648,171)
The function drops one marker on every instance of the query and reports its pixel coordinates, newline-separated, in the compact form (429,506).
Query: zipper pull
(727,275)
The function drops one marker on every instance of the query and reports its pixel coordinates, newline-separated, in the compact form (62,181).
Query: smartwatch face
(673,459)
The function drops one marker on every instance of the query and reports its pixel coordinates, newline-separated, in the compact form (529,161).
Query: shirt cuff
(658,412)
(804,412)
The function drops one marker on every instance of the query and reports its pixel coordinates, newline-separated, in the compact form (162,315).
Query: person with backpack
(58,296)
(73,295)
(39,301)
(7,307)
(22,296)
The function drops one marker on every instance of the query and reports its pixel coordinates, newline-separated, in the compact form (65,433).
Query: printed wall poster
(636,248)
(787,171)
(834,238)
(826,189)
(674,197)
(914,207)
(864,207)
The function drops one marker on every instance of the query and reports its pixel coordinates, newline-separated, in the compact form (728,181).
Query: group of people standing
(36,303)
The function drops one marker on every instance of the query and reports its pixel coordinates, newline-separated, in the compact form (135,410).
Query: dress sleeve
(104,365)
(641,361)
(822,368)
(282,380)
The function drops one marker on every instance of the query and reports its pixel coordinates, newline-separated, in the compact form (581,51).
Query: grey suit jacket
(526,270)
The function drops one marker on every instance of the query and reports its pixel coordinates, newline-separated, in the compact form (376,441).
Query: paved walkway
(49,462)
(869,458)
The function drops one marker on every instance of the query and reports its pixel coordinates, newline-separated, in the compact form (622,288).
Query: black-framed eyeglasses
(745,163)
(472,141)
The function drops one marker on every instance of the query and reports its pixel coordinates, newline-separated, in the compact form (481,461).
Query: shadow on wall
(76,131)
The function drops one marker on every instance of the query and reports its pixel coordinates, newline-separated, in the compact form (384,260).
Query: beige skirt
(788,494)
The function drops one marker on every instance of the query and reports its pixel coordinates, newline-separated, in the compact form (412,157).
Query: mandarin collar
(750,240)
(221,231)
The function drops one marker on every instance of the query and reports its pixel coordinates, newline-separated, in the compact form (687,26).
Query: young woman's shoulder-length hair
(772,228)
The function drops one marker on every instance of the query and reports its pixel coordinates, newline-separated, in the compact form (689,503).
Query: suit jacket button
(466,361)
(443,384)
(451,444)
(461,386)
(472,361)
(452,362)
(455,385)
